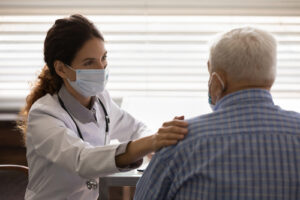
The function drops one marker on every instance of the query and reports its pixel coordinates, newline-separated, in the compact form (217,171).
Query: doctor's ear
(60,68)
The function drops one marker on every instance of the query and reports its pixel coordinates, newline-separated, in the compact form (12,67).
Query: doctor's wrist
(135,151)
(144,145)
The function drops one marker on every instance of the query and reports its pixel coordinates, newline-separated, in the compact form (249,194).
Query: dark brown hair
(64,39)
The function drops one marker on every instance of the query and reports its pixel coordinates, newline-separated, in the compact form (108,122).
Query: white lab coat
(60,163)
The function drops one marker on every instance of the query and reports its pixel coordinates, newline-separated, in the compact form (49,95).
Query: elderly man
(247,148)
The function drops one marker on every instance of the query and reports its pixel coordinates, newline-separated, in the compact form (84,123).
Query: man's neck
(232,89)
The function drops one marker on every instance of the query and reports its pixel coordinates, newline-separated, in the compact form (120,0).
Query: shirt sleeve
(48,135)
(156,180)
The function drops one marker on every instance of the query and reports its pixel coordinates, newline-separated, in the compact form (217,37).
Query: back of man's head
(245,54)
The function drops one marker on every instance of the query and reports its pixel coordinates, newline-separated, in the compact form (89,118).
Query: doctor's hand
(170,133)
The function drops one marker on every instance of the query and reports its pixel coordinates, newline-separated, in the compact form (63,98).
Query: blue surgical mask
(89,82)
(212,106)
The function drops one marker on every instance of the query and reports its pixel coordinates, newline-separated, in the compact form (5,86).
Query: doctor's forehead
(93,48)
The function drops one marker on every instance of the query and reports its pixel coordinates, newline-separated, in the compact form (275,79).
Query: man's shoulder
(185,145)
(225,123)
(203,119)
(288,113)
(200,125)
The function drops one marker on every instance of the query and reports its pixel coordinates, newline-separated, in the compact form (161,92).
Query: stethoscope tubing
(107,120)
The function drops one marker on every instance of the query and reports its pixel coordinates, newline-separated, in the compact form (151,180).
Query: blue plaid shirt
(248,148)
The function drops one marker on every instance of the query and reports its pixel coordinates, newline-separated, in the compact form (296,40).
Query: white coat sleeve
(49,136)
(124,126)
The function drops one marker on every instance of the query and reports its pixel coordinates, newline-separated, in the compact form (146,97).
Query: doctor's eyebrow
(92,59)
(89,59)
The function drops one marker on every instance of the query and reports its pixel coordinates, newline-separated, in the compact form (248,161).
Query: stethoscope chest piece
(92,184)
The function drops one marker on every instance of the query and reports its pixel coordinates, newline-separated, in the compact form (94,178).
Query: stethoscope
(92,183)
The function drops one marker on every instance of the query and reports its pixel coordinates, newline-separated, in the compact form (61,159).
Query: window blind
(153,50)
(153,7)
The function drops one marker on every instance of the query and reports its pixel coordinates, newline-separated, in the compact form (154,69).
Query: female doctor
(70,119)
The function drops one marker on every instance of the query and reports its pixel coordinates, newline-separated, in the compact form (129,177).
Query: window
(154,48)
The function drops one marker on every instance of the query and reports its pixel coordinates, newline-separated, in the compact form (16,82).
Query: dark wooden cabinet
(12,147)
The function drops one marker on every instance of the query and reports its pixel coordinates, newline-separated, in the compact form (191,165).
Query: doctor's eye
(88,63)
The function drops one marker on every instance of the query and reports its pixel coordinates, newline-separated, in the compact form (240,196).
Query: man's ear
(214,89)
(218,85)
(208,66)
(60,69)
(223,75)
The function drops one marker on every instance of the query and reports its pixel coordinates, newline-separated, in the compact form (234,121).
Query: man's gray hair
(247,54)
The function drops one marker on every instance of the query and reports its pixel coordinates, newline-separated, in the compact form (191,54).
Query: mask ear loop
(71,68)
(221,81)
